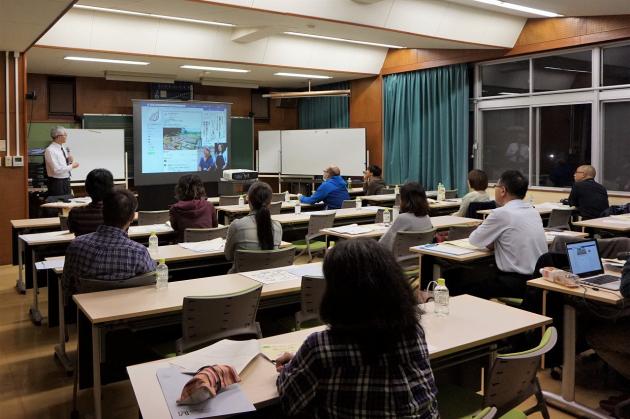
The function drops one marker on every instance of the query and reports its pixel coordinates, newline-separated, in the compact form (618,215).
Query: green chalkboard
(242,143)
(39,132)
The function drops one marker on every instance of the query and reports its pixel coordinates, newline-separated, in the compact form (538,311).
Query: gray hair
(57,131)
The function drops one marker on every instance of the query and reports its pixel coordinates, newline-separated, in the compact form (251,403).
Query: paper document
(274,350)
(271,276)
(446,248)
(148,229)
(308,269)
(351,229)
(50,264)
(228,401)
(464,243)
(237,353)
(213,245)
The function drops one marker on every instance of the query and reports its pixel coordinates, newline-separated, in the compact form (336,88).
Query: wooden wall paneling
(239,98)
(279,119)
(366,104)
(97,95)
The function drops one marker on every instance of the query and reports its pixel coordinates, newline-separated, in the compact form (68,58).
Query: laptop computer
(586,263)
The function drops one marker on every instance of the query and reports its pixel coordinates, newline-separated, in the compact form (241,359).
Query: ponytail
(259,197)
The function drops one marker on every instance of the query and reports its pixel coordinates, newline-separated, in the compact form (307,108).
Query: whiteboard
(269,151)
(309,152)
(94,149)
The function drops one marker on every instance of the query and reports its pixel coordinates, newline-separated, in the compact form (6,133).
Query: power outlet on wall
(8,161)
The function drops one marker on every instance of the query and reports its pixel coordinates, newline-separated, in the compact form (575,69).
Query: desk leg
(34,313)
(566,401)
(96,370)
(19,285)
(60,349)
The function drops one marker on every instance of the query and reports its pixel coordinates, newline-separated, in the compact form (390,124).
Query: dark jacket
(589,197)
(84,220)
(374,186)
(198,213)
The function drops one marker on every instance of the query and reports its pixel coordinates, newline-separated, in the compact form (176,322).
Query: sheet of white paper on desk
(371,208)
(308,269)
(351,229)
(237,353)
(148,229)
(229,401)
(205,246)
(464,243)
(274,350)
(50,264)
(447,249)
(270,276)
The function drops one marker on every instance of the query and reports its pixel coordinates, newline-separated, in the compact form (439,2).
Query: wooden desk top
(450,203)
(339,214)
(602,296)
(244,209)
(74,202)
(35,223)
(379,198)
(466,327)
(543,208)
(614,223)
(54,237)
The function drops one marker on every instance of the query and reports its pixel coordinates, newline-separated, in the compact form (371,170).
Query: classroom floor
(33,385)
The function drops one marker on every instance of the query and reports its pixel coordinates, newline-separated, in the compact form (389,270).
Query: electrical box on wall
(18,161)
(8,161)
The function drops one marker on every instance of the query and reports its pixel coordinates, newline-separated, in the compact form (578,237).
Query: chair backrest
(560,218)
(397,200)
(311,295)
(206,320)
(275,208)
(386,191)
(228,200)
(201,234)
(406,239)
(450,194)
(379,215)
(608,248)
(85,285)
(460,232)
(152,217)
(317,222)
(277,197)
(513,376)
(473,207)
(253,260)
(63,222)
(348,203)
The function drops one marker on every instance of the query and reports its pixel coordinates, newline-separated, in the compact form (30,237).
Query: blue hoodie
(333,192)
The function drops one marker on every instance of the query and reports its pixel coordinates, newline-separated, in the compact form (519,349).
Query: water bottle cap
(153,233)
(162,261)
(441,281)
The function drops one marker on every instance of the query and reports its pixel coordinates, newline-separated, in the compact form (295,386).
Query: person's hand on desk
(282,360)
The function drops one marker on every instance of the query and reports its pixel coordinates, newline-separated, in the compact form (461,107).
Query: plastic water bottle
(440,298)
(396,190)
(441,192)
(358,202)
(153,245)
(298,207)
(395,212)
(387,217)
(286,196)
(241,201)
(349,183)
(162,275)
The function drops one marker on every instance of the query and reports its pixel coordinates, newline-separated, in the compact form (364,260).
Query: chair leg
(541,405)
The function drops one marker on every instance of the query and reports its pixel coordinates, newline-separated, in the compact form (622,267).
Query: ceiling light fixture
(351,41)
(307,94)
(143,77)
(520,8)
(228,83)
(152,15)
(105,60)
(306,76)
(206,68)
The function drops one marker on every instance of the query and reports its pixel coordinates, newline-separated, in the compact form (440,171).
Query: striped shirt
(331,378)
(84,220)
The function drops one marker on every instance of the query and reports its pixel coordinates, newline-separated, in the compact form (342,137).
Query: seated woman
(256,231)
(192,209)
(478,183)
(414,213)
(84,220)
(373,359)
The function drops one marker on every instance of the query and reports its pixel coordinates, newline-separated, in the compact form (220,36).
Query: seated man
(372,182)
(332,192)
(108,253)
(588,196)
(84,220)
(515,232)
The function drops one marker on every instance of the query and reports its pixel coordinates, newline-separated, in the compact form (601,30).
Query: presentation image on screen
(173,138)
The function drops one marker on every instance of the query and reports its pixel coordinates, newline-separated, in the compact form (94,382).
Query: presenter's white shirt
(518,235)
(56,164)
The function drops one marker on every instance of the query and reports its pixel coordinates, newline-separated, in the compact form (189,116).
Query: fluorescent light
(228,83)
(308,94)
(351,41)
(519,8)
(105,60)
(567,69)
(152,15)
(306,76)
(206,68)
(143,77)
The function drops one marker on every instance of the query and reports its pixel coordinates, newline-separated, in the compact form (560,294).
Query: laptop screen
(584,258)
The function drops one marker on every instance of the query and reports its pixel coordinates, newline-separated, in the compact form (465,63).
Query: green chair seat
(458,402)
(514,414)
(315,245)
(510,301)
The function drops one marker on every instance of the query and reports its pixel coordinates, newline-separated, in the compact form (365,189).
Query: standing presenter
(59,163)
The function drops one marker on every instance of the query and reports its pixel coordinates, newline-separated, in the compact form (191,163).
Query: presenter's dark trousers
(58,186)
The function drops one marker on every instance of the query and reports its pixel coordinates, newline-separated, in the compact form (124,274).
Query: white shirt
(56,164)
(518,235)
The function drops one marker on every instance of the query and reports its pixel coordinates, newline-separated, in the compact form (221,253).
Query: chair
(349,203)
(228,200)
(450,194)
(277,197)
(473,207)
(410,261)
(512,380)
(379,216)
(275,208)
(311,295)
(206,320)
(560,219)
(63,222)
(152,217)
(397,200)
(201,234)
(460,232)
(387,191)
(316,223)
(254,260)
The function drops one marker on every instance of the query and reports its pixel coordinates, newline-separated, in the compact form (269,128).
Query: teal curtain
(426,127)
(325,112)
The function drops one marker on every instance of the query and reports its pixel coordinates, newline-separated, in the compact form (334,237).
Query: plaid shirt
(332,379)
(107,254)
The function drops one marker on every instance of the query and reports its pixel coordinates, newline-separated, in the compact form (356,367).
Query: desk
(614,223)
(544,208)
(65,207)
(101,310)
(292,221)
(389,199)
(466,327)
(59,240)
(227,213)
(566,400)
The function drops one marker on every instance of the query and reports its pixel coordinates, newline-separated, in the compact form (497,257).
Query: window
(615,174)
(505,141)
(615,66)
(505,79)
(563,72)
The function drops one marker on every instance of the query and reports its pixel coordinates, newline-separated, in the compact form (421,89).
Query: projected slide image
(181,139)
